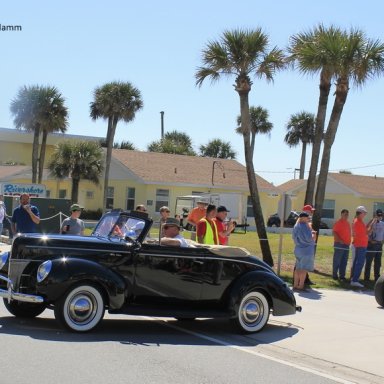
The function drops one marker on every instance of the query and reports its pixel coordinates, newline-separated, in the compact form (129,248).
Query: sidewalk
(335,326)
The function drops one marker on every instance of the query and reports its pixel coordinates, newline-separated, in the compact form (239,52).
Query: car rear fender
(66,272)
(279,296)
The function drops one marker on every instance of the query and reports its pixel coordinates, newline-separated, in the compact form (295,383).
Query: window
(110,195)
(131,199)
(249,207)
(90,194)
(328,211)
(162,198)
(62,193)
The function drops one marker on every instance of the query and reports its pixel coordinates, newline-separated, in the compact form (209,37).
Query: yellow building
(136,177)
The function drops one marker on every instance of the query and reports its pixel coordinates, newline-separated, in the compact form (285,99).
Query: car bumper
(10,294)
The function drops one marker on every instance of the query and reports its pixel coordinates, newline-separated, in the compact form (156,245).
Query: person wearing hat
(360,242)
(197,213)
(223,229)
(73,225)
(375,246)
(304,250)
(172,237)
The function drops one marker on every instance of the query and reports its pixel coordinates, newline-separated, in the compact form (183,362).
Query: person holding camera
(375,246)
(25,217)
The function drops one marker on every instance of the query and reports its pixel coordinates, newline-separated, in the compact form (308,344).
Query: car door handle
(198,261)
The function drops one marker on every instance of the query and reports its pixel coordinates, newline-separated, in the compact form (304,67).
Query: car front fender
(279,295)
(66,272)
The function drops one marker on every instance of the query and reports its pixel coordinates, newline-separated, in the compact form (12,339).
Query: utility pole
(162,124)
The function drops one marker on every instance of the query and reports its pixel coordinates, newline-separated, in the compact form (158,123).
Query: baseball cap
(201,201)
(379,212)
(304,214)
(361,209)
(172,221)
(221,208)
(75,207)
(308,207)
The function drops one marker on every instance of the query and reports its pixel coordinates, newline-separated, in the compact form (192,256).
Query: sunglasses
(170,226)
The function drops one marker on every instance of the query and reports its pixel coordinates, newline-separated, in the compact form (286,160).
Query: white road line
(246,350)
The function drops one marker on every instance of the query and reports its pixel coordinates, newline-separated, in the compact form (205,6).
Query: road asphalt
(340,332)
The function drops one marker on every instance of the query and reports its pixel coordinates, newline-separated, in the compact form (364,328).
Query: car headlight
(43,270)
(3,259)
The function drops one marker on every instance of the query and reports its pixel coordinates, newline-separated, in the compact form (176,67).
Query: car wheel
(253,313)
(379,291)
(81,309)
(26,310)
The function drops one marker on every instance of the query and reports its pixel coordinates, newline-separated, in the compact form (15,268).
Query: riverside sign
(33,190)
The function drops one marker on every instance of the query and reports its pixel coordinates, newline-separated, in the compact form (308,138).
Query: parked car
(275,221)
(120,270)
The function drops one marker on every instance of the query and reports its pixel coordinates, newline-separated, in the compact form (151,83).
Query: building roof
(292,185)
(366,186)
(162,168)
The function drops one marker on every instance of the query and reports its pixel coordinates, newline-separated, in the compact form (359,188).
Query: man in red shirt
(206,229)
(342,241)
(223,229)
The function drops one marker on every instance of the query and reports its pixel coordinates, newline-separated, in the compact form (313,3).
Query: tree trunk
(112,123)
(302,161)
(255,198)
(42,155)
(325,86)
(35,153)
(75,189)
(340,99)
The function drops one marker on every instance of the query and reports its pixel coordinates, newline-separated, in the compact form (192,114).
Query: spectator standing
(375,246)
(197,213)
(360,242)
(309,209)
(206,229)
(164,215)
(73,225)
(342,241)
(304,250)
(224,228)
(25,217)
(3,214)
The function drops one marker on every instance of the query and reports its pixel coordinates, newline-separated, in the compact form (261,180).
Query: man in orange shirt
(360,242)
(197,213)
(342,241)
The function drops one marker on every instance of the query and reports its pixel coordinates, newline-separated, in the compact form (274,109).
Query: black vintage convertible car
(120,269)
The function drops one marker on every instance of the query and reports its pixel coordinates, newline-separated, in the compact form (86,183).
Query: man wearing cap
(197,213)
(360,242)
(375,245)
(73,225)
(223,229)
(25,216)
(171,230)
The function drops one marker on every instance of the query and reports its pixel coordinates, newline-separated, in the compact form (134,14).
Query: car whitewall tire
(253,312)
(81,309)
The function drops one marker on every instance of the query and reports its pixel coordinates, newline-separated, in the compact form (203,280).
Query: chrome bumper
(10,294)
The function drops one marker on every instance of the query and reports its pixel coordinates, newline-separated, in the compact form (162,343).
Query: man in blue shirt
(25,216)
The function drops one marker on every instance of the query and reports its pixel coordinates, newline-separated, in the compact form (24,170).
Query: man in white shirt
(171,230)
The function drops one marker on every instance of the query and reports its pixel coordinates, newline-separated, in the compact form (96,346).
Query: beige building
(136,177)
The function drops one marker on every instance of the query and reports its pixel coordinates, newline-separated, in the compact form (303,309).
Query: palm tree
(315,52)
(113,102)
(82,160)
(175,142)
(218,148)
(359,59)
(242,53)
(39,109)
(259,124)
(301,128)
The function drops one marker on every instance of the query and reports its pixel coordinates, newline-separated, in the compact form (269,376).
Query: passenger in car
(171,230)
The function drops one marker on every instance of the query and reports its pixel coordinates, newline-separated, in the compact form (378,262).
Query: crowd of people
(364,239)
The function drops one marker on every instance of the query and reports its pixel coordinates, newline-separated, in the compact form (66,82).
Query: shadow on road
(149,332)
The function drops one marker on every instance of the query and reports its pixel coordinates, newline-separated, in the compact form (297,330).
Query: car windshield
(118,225)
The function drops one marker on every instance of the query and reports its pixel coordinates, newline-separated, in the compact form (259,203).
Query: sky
(157,46)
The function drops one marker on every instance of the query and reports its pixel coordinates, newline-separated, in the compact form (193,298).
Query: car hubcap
(251,312)
(82,308)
